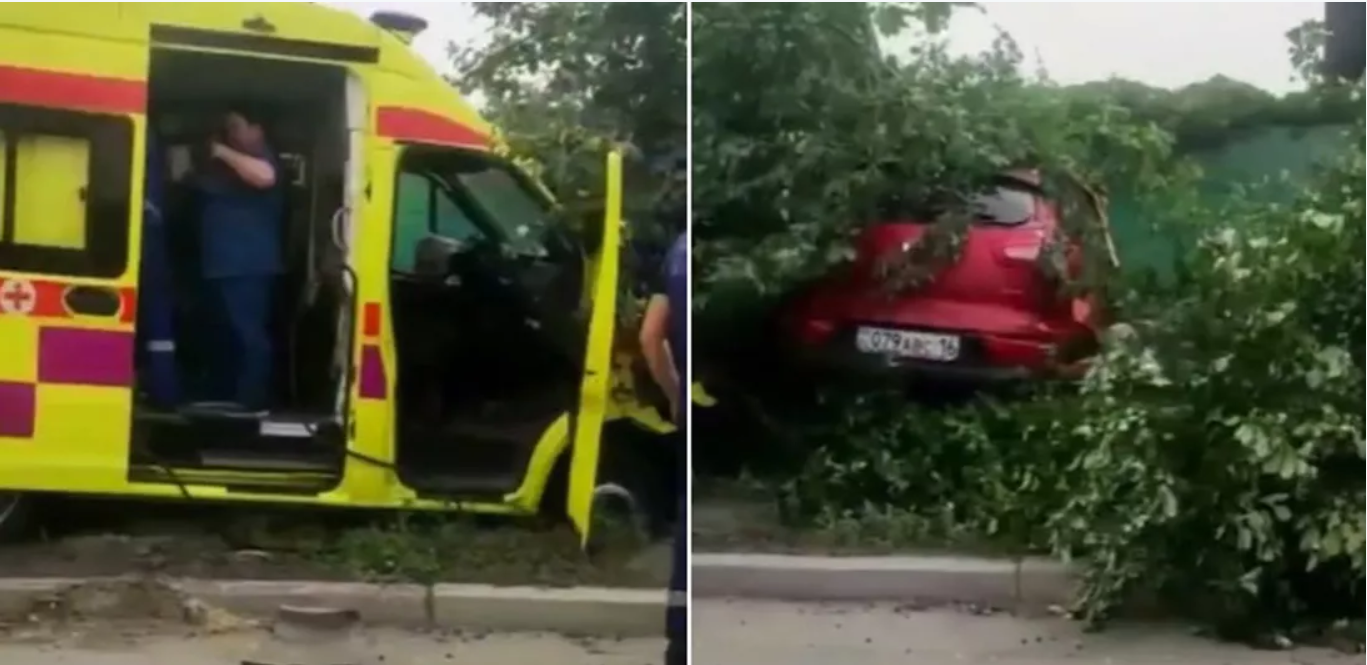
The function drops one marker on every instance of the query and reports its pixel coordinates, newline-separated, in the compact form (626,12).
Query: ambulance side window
(450,221)
(65,191)
(410,220)
(424,208)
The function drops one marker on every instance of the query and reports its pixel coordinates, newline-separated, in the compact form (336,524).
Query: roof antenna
(404,26)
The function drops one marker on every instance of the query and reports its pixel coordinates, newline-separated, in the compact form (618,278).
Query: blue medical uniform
(156,292)
(676,290)
(240,239)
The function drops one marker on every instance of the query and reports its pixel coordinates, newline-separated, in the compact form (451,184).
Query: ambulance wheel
(631,494)
(15,510)
(620,521)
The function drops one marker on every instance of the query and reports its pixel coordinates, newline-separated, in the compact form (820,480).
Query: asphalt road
(757,633)
(140,646)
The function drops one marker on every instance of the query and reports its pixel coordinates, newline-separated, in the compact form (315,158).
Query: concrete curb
(915,579)
(587,611)
(928,580)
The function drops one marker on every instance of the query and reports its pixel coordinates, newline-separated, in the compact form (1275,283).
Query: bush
(1223,444)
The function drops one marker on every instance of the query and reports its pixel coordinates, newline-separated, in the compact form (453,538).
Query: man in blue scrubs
(243,207)
(156,292)
(664,342)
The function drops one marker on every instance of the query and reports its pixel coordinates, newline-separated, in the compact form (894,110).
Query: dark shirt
(240,224)
(676,290)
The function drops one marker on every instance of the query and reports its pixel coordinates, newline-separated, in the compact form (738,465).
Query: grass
(464,550)
(85,539)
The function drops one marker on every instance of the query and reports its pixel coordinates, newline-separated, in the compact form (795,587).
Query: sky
(448,22)
(1160,43)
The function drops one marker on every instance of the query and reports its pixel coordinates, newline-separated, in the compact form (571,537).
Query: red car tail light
(815,331)
(1022,253)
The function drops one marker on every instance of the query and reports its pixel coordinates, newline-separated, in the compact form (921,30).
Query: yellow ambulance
(403,386)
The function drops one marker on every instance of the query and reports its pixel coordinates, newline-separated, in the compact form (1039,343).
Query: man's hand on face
(254,171)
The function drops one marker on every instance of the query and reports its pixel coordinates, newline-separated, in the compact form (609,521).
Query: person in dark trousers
(156,297)
(240,237)
(664,343)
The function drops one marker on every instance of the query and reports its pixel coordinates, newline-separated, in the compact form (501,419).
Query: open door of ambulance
(587,426)
(73,94)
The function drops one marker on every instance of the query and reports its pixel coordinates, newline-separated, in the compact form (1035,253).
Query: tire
(635,496)
(638,479)
(620,523)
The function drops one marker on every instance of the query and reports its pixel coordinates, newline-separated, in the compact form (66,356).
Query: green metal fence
(1255,162)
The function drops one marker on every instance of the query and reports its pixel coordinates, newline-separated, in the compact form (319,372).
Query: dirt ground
(727,518)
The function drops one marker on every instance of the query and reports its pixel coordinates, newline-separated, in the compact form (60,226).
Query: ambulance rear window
(65,191)
(50,180)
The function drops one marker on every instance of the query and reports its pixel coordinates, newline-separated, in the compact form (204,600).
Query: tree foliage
(565,81)
(1214,452)
(1221,110)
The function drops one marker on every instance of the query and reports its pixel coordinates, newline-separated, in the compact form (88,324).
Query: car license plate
(908,344)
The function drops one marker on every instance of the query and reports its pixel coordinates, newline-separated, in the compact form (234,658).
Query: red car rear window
(1007,203)
(1006,206)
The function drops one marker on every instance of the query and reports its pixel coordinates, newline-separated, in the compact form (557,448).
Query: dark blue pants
(156,314)
(242,352)
(676,614)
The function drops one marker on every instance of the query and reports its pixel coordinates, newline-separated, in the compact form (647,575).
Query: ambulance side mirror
(432,258)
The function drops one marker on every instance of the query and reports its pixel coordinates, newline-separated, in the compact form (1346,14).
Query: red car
(993,315)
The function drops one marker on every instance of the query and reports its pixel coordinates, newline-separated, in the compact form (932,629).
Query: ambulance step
(177,434)
(296,421)
(256,462)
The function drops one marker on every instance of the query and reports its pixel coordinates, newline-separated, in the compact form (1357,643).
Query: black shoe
(676,653)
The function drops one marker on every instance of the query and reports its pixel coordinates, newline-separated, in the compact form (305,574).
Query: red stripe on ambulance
(46,299)
(416,125)
(39,87)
